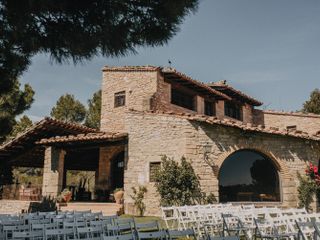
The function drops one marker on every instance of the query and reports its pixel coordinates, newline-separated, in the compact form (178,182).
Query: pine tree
(13,103)
(313,104)
(68,109)
(23,124)
(94,111)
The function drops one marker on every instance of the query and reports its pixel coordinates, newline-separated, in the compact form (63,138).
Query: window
(119,99)
(154,168)
(182,99)
(233,110)
(209,108)
(248,175)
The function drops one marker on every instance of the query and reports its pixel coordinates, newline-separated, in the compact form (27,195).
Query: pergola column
(53,171)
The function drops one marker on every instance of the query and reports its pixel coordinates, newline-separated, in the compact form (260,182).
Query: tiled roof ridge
(234,123)
(131,68)
(298,114)
(201,84)
(50,121)
(83,137)
(219,84)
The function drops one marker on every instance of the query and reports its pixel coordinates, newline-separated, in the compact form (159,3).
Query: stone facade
(153,135)
(154,128)
(139,87)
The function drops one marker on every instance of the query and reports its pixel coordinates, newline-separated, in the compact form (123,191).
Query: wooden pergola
(23,151)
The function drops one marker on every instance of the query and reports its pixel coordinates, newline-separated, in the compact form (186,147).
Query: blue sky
(269,49)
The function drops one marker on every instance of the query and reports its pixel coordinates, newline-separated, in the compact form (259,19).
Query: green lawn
(145,219)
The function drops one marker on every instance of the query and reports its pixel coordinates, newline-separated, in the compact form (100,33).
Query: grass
(145,219)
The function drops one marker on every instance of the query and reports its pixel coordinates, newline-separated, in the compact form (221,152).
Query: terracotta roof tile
(45,124)
(202,85)
(298,114)
(130,68)
(107,136)
(239,125)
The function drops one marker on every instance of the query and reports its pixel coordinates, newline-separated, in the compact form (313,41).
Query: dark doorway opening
(248,175)
(117,171)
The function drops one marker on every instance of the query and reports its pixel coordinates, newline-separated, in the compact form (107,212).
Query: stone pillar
(247,113)
(220,109)
(53,171)
(104,170)
(200,105)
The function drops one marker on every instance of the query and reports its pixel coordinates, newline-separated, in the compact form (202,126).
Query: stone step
(107,209)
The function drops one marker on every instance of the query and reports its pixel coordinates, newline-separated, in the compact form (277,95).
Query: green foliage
(306,191)
(47,204)
(23,124)
(78,31)
(13,103)
(94,111)
(24,175)
(178,184)
(68,109)
(138,196)
(313,104)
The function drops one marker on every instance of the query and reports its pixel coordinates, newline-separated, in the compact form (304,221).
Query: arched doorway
(117,171)
(248,175)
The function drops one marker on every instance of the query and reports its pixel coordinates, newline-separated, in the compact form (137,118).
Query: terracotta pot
(118,196)
(67,197)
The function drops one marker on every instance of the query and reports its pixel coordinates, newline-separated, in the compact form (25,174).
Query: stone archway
(248,175)
(288,189)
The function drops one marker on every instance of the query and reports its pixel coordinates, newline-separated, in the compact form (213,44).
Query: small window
(209,108)
(182,99)
(119,99)
(232,110)
(154,168)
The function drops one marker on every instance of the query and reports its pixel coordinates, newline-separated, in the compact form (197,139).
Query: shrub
(309,186)
(138,196)
(178,184)
(47,204)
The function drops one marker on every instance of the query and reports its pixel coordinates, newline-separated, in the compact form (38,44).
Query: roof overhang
(46,128)
(89,139)
(173,76)
(235,94)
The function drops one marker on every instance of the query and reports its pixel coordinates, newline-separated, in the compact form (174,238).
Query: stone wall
(309,123)
(139,87)
(13,206)
(151,136)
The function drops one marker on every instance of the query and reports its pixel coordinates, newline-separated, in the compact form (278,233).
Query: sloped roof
(98,136)
(45,128)
(221,86)
(236,124)
(178,77)
(296,114)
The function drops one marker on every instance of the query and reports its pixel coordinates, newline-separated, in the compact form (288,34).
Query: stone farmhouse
(240,153)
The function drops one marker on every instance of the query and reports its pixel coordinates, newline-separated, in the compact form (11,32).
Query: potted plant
(64,197)
(118,195)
